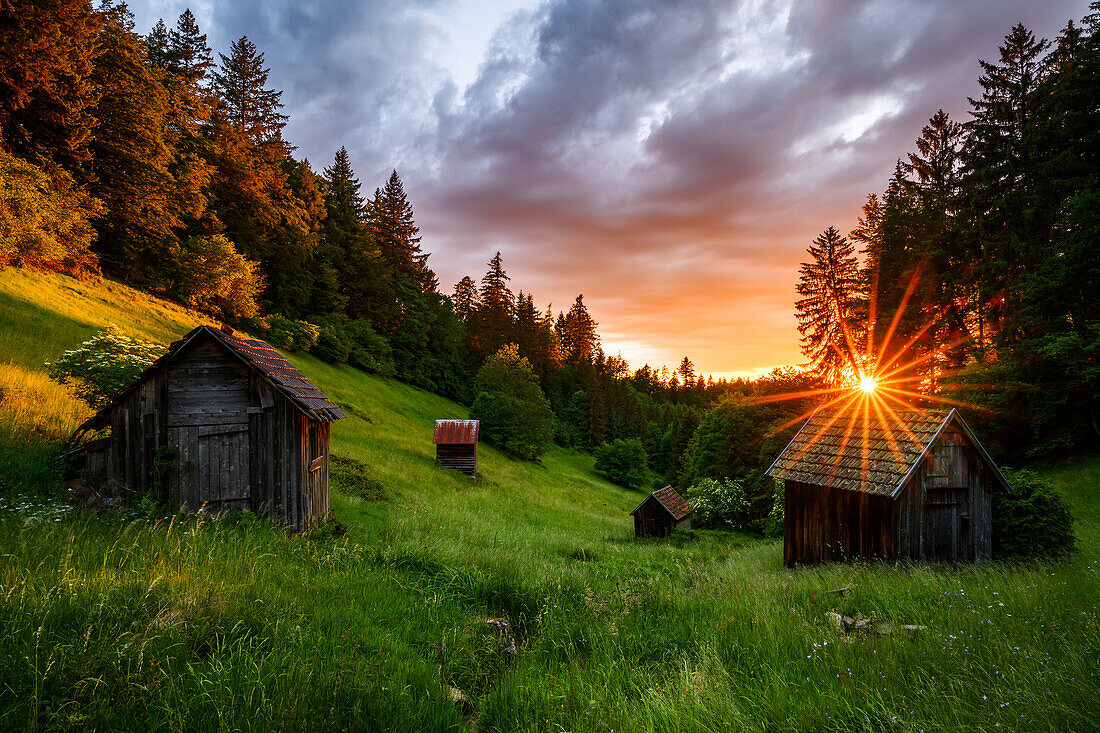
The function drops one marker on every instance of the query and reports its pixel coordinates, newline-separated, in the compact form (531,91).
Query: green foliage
(40,225)
(773,525)
(103,365)
(288,334)
(624,462)
(735,438)
(723,504)
(213,277)
(352,477)
(514,413)
(343,340)
(1034,521)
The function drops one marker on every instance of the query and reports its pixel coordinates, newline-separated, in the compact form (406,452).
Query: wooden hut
(456,444)
(915,485)
(662,511)
(221,422)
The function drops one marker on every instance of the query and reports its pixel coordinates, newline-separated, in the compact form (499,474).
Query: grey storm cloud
(669,159)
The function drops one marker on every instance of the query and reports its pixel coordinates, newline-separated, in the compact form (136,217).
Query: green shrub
(343,340)
(103,365)
(210,275)
(773,523)
(720,504)
(624,462)
(284,333)
(514,413)
(1033,521)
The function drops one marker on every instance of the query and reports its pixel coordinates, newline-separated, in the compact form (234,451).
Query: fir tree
(496,308)
(395,234)
(246,102)
(466,299)
(47,94)
(577,332)
(829,290)
(131,153)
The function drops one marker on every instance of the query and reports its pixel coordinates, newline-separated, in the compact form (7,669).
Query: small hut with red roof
(456,444)
(662,512)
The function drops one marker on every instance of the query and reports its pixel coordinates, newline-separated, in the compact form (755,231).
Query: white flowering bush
(720,504)
(103,365)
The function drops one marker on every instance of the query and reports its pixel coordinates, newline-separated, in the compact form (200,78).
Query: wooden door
(213,467)
(947,524)
(316,498)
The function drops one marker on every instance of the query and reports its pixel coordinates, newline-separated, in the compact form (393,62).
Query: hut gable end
(220,422)
(916,486)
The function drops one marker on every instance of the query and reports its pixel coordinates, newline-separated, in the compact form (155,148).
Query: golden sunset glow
(881,382)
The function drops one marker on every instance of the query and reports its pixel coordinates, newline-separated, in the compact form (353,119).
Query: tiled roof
(671,501)
(858,450)
(280,372)
(455,432)
(255,354)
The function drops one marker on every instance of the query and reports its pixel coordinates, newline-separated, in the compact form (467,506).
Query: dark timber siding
(942,514)
(206,430)
(460,457)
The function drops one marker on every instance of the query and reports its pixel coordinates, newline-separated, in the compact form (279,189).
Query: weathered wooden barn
(456,444)
(660,513)
(916,485)
(221,422)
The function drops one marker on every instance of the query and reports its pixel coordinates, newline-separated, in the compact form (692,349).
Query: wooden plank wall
(238,441)
(459,457)
(825,525)
(946,508)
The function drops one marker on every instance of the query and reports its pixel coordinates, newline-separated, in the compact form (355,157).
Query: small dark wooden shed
(914,485)
(221,422)
(662,511)
(456,444)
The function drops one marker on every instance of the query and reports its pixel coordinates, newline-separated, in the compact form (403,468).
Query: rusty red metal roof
(671,500)
(455,432)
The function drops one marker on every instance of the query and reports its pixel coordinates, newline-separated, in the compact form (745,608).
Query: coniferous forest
(148,156)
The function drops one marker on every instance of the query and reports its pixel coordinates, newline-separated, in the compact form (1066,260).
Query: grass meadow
(164,622)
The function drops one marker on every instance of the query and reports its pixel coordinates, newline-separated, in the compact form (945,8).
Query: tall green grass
(193,623)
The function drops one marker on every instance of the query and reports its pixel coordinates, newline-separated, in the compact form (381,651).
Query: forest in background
(143,157)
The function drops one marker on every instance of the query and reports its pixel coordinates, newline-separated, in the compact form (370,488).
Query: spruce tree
(466,299)
(496,308)
(246,102)
(395,234)
(578,333)
(344,243)
(47,93)
(829,290)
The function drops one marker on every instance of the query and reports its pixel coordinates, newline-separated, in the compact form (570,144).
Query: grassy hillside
(135,622)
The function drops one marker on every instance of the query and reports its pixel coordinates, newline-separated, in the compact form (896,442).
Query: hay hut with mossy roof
(220,422)
(914,485)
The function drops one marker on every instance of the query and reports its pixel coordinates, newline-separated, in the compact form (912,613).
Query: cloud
(669,159)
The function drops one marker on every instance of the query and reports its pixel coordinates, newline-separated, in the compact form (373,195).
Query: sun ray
(909,290)
(824,428)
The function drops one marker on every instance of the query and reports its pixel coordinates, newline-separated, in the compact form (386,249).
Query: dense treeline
(156,160)
(986,246)
(164,164)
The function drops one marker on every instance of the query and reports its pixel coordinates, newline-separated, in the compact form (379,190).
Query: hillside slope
(182,623)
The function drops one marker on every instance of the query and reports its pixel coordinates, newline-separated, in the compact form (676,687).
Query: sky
(669,160)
